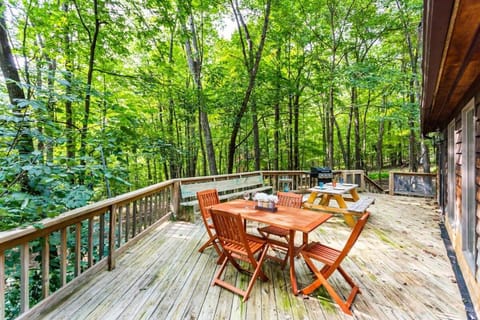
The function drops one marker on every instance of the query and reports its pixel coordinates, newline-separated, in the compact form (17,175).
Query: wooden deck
(399,262)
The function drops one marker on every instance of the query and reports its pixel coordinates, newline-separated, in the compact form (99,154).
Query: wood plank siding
(451,85)
(399,262)
(455,223)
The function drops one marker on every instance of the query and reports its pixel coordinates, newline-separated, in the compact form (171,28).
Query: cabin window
(468,185)
(451,181)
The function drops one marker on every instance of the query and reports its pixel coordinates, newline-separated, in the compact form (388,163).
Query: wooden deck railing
(413,184)
(301,180)
(78,242)
(58,253)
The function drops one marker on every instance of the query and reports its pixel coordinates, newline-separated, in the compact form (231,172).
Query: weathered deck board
(399,262)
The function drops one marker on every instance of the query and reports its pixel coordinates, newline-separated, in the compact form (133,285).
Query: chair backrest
(205,199)
(356,231)
(289,199)
(229,229)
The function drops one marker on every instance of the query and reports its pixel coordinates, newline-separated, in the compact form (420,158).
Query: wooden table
(292,219)
(327,193)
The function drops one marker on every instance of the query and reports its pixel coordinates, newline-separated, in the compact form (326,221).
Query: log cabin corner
(449,114)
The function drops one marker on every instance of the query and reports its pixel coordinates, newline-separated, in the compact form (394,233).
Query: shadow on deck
(399,262)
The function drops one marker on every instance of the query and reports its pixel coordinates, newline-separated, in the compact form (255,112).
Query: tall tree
(92,34)
(68,75)
(194,52)
(364,35)
(409,21)
(252,57)
(23,141)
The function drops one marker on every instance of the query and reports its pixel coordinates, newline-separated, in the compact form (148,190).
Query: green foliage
(383,175)
(142,125)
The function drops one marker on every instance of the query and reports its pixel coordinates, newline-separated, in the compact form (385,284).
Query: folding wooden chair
(207,198)
(332,258)
(238,245)
(287,199)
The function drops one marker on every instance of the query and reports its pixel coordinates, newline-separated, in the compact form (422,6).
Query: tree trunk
(70,126)
(413,86)
(256,135)
(93,37)
(296,148)
(425,157)
(173,168)
(348,135)
(7,63)
(195,59)
(330,127)
(340,139)
(381,130)
(52,67)
(23,141)
(252,72)
(276,132)
(357,139)
(299,88)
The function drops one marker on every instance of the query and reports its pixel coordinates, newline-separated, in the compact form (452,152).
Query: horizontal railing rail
(46,262)
(287,180)
(300,181)
(372,186)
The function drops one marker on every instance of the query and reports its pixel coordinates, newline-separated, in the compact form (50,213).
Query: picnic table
(340,194)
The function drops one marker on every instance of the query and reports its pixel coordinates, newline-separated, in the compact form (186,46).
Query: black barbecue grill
(322,174)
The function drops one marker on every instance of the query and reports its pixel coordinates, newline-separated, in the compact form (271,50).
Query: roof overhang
(451,59)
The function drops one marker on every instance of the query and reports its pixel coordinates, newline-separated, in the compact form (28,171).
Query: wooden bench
(356,208)
(228,189)
(361,205)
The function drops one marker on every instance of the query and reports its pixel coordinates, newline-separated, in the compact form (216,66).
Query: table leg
(291,250)
(312,197)
(340,201)
(354,194)
(349,219)
(325,200)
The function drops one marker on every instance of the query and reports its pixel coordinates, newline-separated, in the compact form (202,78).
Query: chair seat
(322,252)
(280,232)
(254,243)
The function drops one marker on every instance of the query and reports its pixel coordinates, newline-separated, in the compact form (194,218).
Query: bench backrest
(189,191)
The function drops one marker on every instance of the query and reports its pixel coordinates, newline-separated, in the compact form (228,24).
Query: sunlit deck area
(400,263)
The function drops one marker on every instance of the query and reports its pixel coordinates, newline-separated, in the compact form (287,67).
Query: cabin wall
(454,221)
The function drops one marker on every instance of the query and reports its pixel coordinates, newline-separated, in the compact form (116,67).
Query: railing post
(24,279)
(391,183)
(45,266)
(111,237)
(176,198)
(2,285)
(78,249)
(362,179)
(63,256)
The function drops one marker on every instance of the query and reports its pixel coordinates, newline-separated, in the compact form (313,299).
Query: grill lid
(320,170)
